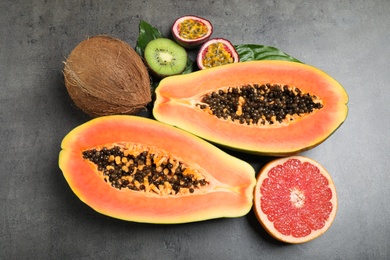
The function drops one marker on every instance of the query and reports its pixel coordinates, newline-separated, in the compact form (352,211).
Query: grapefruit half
(295,199)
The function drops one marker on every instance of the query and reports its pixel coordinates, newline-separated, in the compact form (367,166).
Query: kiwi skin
(174,55)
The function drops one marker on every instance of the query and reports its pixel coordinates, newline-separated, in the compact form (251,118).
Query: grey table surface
(41,218)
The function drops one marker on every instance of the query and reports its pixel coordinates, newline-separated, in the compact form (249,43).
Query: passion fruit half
(191,31)
(216,52)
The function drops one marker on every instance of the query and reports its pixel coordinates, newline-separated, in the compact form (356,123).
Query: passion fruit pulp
(216,52)
(191,31)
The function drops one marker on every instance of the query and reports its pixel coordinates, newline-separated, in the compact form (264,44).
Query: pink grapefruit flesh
(295,199)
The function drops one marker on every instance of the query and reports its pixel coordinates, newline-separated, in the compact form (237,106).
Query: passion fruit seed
(145,169)
(192,29)
(217,55)
(256,104)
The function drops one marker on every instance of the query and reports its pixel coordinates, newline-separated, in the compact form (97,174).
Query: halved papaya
(263,107)
(141,170)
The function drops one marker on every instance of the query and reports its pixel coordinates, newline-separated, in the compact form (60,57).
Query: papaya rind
(232,182)
(176,98)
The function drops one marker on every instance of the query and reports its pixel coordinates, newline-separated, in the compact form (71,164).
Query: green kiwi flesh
(165,57)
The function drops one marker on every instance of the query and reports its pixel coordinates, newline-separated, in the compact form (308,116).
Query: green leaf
(191,67)
(248,52)
(146,34)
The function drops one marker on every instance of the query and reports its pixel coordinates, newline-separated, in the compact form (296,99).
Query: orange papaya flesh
(178,98)
(227,192)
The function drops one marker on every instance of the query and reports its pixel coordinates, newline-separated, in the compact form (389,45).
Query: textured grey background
(41,218)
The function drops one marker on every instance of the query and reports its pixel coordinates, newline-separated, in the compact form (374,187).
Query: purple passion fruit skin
(191,31)
(216,52)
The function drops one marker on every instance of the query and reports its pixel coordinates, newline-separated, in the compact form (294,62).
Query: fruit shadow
(80,219)
(261,232)
(73,211)
(257,162)
(67,109)
(77,217)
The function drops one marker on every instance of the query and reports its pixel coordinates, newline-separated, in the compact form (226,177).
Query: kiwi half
(165,57)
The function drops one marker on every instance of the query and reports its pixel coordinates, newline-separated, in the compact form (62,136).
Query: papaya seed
(125,166)
(256,104)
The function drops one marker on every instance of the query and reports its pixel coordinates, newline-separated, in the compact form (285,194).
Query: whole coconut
(105,76)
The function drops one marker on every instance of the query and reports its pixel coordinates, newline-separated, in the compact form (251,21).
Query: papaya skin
(176,99)
(231,180)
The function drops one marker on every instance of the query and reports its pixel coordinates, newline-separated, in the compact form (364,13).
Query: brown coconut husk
(105,76)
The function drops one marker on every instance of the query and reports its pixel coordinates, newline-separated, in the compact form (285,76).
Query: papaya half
(267,107)
(138,169)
